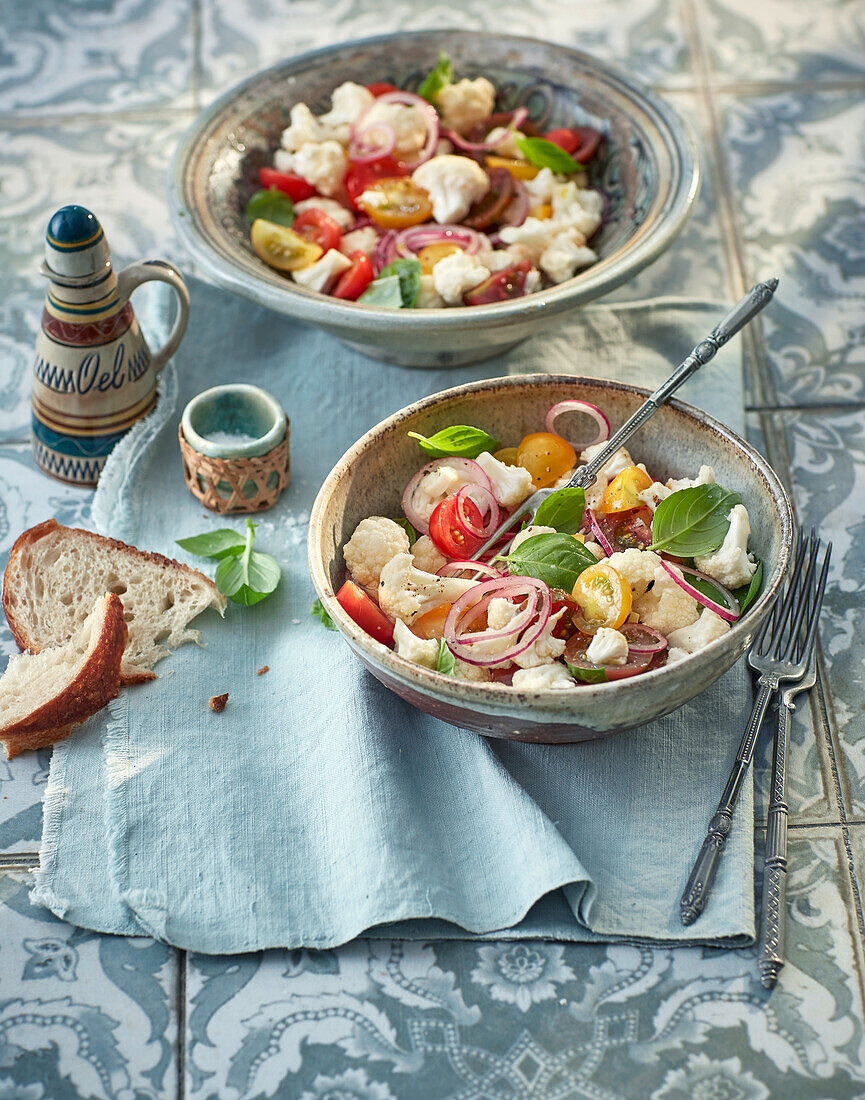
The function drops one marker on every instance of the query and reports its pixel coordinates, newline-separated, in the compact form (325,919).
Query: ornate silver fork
(778,656)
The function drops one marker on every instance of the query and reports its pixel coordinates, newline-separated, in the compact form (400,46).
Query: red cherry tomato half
(589,672)
(488,210)
(365,612)
(563,137)
(294,186)
(448,533)
(353,283)
(381,87)
(360,176)
(626,530)
(318,227)
(581,141)
(510,283)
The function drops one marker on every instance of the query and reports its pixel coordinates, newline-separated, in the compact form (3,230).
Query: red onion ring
(405,99)
(517,209)
(637,646)
(362,152)
(385,250)
(487,503)
(410,241)
(555,411)
(471,604)
(731,612)
(452,568)
(473,473)
(519,117)
(600,537)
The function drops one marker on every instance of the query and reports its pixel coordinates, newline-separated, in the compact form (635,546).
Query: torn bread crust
(41,598)
(28,742)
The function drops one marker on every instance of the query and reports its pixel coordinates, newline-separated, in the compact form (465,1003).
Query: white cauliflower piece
(621,460)
(455,274)
(511,484)
(466,103)
(508,147)
(698,635)
(653,496)
(443,147)
(706,476)
(322,165)
(359,240)
(347,102)
(563,258)
(427,555)
(598,550)
(541,188)
(608,647)
(535,236)
(533,281)
(305,128)
(408,123)
(322,274)
(553,677)
(637,567)
(676,654)
(475,674)
(730,563)
(434,486)
(343,217)
(498,259)
(406,592)
(375,541)
(427,296)
(521,537)
(453,184)
(581,209)
(544,649)
(420,651)
(666,607)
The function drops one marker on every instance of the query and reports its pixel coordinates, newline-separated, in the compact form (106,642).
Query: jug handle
(136,274)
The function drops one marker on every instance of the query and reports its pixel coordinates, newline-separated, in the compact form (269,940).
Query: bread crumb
(262,670)
(217,702)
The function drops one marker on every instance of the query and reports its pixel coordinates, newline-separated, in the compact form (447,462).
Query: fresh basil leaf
(562,510)
(693,522)
(248,577)
(749,592)
(587,675)
(555,559)
(214,544)
(408,272)
(383,292)
(271,206)
(706,587)
(438,78)
(320,612)
(445,662)
(413,535)
(546,154)
(460,440)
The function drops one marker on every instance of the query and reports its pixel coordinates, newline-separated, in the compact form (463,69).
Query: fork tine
(802,600)
(768,625)
(784,606)
(814,618)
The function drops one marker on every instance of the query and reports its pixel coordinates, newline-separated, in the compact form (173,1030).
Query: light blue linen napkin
(319,806)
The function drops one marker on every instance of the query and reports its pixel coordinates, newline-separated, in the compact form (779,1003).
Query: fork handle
(699,885)
(773,917)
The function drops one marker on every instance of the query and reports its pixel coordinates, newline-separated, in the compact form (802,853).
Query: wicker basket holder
(236,484)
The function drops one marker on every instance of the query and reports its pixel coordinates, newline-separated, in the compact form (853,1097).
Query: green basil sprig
(460,441)
(749,592)
(562,510)
(396,286)
(413,535)
(445,662)
(693,522)
(272,206)
(546,154)
(555,559)
(438,78)
(245,575)
(320,612)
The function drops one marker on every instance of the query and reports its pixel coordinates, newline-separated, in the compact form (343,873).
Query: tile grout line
(197,51)
(181,1023)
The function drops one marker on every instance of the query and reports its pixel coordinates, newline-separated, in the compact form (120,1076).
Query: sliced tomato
(520,169)
(564,628)
(281,248)
(430,255)
(627,530)
(448,533)
(546,456)
(381,87)
(290,184)
(589,672)
(399,202)
(365,612)
(488,210)
(360,176)
(318,227)
(501,287)
(563,137)
(622,494)
(353,283)
(604,598)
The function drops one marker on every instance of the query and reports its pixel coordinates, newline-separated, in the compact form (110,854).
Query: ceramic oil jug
(94,374)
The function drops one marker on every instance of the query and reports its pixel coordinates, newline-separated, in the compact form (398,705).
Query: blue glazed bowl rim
(244,394)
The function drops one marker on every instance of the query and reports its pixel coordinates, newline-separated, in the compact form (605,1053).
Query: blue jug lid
(75,244)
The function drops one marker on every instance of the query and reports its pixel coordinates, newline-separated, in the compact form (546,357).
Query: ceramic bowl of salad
(616,606)
(433,198)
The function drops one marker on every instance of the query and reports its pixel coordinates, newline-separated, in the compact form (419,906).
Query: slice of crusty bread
(43,694)
(55,574)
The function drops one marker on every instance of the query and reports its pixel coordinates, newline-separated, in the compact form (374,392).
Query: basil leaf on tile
(408,272)
(214,544)
(555,559)
(562,510)
(693,522)
(271,206)
(248,577)
(413,535)
(446,662)
(320,612)
(749,592)
(546,154)
(438,78)
(383,292)
(460,440)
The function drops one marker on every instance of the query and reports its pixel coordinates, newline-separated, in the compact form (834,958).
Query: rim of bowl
(588,285)
(243,391)
(468,692)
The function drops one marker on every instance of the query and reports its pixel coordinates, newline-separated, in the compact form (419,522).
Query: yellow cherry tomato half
(519,169)
(510,456)
(282,248)
(621,494)
(546,456)
(402,202)
(432,624)
(604,598)
(543,212)
(431,255)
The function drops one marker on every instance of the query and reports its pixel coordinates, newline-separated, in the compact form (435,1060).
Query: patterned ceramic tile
(95,56)
(784,39)
(82,1015)
(797,162)
(382,1020)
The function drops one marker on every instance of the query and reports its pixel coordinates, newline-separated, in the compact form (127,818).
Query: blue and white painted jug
(94,374)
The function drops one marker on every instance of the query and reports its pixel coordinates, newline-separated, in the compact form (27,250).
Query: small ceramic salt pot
(234,444)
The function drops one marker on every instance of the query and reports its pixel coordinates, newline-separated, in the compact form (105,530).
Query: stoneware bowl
(648,170)
(370,478)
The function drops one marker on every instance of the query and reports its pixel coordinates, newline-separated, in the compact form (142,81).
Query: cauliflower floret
(581,209)
(408,123)
(347,102)
(455,274)
(305,128)
(621,460)
(427,555)
(675,654)
(375,541)
(666,607)
(706,629)
(706,476)
(359,240)
(563,258)
(637,567)
(421,651)
(599,552)
(544,649)
(730,564)
(541,188)
(535,236)
(466,103)
(343,217)
(508,147)
(554,677)
(427,295)
(443,147)
(434,486)
(653,496)
(406,592)
(608,647)
(475,674)
(533,281)
(322,165)
(520,538)
(453,184)
(320,275)
(511,484)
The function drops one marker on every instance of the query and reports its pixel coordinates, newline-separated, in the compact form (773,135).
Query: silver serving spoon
(744,311)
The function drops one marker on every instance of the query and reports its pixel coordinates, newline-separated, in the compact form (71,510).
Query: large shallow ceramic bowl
(370,478)
(649,172)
